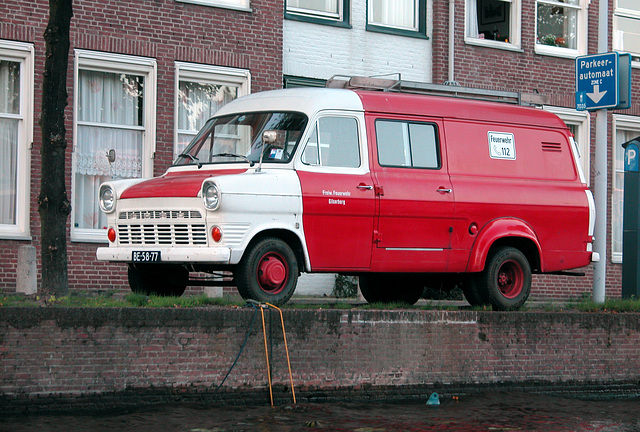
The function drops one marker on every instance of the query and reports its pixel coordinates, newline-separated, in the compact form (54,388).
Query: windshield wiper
(246,159)
(192,157)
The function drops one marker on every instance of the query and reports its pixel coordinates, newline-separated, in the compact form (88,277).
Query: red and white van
(403,190)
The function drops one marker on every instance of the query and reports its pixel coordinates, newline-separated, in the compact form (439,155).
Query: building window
(626,28)
(625,128)
(580,125)
(114,109)
(200,91)
(294,82)
(401,17)
(229,4)
(16,135)
(331,12)
(493,23)
(561,27)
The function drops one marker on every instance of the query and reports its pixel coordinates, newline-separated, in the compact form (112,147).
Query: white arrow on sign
(597,94)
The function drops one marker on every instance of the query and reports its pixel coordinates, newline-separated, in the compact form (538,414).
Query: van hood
(178,184)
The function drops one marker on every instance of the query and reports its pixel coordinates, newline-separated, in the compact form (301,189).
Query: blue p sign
(631,155)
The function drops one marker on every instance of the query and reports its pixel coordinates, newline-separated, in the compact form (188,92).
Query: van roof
(458,108)
(311,100)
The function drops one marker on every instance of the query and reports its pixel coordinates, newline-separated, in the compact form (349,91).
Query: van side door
(337,193)
(415,198)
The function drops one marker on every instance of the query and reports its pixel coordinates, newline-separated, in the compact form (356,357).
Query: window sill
(616,258)
(213,3)
(556,51)
(89,236)
(15,236)
(317,20)
(397,32)
(492,44)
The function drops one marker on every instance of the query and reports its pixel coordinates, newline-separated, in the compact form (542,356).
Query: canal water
(492,411)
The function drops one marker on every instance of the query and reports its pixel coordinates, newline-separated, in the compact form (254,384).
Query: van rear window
(407,144)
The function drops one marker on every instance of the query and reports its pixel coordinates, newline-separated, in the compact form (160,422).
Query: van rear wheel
(506,279)
(268,272)
(390,288)
(473,292)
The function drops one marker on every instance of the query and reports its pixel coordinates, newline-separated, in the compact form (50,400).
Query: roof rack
(450,88)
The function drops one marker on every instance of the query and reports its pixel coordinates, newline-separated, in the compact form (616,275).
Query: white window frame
(241,5)
(581,40)
(312,12)
(240,78)
(22,53)
(116,63)
(582,121)
(626,13)
(516,29)
(628,123)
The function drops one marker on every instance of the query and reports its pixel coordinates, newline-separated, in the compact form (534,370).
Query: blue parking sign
(597,81)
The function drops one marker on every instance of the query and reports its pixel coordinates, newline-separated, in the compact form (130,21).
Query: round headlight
(107,199)
(211,196)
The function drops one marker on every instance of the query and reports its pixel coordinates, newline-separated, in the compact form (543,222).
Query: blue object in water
(434,399)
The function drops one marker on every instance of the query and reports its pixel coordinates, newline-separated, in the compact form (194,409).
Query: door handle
(444,190)
(364,187)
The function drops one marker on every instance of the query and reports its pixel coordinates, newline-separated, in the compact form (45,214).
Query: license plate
(145,256)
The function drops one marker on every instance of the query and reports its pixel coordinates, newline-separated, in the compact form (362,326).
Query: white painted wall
(321,51)
(315,285)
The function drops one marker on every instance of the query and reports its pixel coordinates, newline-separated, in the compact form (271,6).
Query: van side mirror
(270,137)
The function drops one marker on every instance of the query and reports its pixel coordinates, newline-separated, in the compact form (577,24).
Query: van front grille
(163,234)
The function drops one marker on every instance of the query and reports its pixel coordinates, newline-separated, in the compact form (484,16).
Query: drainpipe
(452,16)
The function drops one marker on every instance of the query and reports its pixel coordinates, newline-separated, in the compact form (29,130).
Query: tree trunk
(53,204)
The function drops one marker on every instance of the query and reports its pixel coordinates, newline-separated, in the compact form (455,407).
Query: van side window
(407,144)
(333,143)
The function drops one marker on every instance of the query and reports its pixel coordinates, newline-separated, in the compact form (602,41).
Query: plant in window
(557,26)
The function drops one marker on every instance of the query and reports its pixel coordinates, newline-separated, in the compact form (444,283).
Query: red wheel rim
(510,279)
(273,273)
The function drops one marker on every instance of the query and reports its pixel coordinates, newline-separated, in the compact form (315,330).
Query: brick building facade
(161,56)
(174,61)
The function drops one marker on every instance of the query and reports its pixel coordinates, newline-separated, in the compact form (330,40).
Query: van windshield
(239,138)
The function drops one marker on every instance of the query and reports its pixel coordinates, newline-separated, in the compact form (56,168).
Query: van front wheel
(506,280)
(268,272)
(165,280)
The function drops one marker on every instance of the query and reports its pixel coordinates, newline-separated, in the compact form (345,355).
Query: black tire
(472,291)
(506,279)
(268,272)
(158,279)
(390,288)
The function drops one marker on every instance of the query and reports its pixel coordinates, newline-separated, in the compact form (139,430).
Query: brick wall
(165,30)
(57,355)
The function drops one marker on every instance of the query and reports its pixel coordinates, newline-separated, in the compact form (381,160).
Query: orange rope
(286,348)
(266,351)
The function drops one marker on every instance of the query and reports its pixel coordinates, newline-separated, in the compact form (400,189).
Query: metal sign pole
(602,172)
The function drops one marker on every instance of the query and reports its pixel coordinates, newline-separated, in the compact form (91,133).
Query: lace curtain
(109,112)
(9,104)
